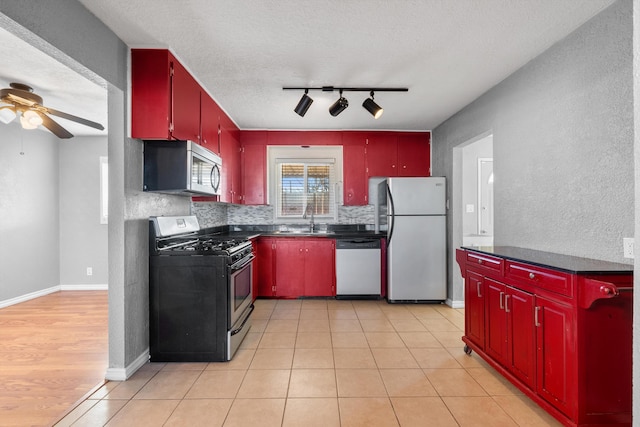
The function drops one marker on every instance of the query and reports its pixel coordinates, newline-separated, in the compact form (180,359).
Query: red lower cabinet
(556,356)
(561,333)
(296,267)
(474,308)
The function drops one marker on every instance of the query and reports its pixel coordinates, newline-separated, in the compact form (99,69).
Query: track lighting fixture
(304,104)
(339,106)
(369,105)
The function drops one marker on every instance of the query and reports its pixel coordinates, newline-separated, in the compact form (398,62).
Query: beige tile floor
(324,363)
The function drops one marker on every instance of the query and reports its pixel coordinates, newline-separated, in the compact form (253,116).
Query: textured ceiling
(243,52)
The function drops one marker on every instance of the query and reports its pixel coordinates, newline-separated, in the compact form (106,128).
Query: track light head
(370,105)
(304,104)
(339,106)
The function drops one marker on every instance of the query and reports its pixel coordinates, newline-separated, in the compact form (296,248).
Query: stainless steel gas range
(200,292)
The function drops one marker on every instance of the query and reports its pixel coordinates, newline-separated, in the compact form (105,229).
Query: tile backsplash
(213,214)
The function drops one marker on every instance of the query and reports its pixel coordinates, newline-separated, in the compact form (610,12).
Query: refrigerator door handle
(391,215)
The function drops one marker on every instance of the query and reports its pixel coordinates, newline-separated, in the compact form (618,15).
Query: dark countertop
(571,264)
(337,231)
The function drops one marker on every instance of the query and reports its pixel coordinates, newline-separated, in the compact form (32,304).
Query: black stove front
(199,306)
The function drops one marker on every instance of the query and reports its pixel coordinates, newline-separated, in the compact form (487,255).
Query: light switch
(471,208)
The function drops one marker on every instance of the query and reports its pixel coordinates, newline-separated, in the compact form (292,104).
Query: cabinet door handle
(532,276)
(478,289)
(479,261)
(536,320)
(501,301)
(506,304)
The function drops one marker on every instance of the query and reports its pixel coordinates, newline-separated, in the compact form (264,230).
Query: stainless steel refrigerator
(413,210)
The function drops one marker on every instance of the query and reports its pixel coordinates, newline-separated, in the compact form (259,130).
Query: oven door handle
(239,328)
(239,265)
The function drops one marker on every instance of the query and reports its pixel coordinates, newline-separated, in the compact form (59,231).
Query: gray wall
(83,239)
(67,31)
(563,146)
(29,251)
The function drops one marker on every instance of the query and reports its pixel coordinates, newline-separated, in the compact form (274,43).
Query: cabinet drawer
(485,262)
(552,280)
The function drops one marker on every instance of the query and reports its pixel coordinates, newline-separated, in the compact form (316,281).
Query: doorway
(477,179)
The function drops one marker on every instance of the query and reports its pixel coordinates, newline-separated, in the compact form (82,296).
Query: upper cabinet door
(209,121)
(414,157)
(355,187)
(381,154)
(151,93)
(185,105)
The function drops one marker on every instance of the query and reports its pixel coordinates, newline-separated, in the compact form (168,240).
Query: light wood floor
(53,351)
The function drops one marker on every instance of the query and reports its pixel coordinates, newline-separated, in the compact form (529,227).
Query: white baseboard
(43,292)
(454,304)
(122,374)
(98,287)
(30,296)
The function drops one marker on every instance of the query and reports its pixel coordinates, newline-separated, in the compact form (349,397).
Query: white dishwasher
(358,272)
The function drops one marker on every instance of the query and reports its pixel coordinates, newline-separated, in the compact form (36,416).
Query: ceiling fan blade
(74,118)
(54,127)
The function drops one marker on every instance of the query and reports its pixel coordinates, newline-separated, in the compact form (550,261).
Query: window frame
(307,155)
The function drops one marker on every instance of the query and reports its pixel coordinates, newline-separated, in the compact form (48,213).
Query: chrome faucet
(308,209)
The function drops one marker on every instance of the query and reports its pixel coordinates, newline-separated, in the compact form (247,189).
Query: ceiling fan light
(32,117)
(370,105)
(7,115)
(339,106)
(304,104)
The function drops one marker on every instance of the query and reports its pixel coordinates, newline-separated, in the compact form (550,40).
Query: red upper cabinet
(254,158)
(355,186)
(209,123)
(151,93)
(185,105)
(414,154)
(168,103)
(231,185)
(381,154)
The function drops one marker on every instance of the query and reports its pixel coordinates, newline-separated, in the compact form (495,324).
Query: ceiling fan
(23,101)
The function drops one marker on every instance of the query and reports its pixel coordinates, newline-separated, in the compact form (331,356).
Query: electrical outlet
(627,244)
(89,271)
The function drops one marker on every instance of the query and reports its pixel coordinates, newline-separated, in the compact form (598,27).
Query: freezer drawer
(358,266)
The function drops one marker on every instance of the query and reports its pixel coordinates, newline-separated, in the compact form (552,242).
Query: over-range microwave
(181,167)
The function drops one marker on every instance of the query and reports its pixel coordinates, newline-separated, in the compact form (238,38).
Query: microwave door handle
(215,177)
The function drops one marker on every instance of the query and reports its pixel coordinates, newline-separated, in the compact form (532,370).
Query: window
(104,190)
(305,181)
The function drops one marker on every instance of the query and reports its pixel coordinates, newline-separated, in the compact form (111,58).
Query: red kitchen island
(558,327)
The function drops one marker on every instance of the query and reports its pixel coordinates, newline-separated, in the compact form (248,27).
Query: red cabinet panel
(319,268)
(382,154)
(555,356)
(151,93)
(474,308)
(355,184)
(414,154)
(185,105)
(254,158)
(521,350)
(231,179)
(266,267)
(496,320)
(209,123)
(289,277)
